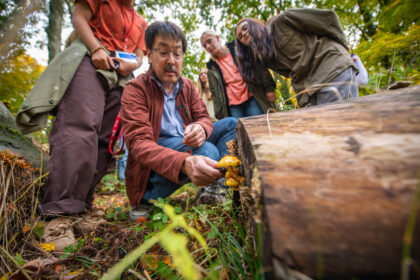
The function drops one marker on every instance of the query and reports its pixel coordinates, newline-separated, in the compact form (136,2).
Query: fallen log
(331,188)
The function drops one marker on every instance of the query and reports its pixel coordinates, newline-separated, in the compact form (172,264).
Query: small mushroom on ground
(233,179)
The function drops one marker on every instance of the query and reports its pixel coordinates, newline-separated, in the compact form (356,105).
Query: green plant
(116,214)
(173,243)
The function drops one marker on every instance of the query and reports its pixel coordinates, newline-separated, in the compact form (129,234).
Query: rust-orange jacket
(141,114)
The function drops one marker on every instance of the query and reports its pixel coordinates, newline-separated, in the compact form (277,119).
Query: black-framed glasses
(165,52)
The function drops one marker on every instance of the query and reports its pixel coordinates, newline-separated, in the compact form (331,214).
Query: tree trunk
(13,141)
(55,24)
(332,189)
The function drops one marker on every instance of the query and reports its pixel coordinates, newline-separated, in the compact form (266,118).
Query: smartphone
(129,57)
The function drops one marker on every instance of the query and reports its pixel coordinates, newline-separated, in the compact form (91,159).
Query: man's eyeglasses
(164,53)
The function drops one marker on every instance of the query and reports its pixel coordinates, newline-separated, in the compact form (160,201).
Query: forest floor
(219,225)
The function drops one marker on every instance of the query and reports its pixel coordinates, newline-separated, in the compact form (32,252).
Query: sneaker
(60,232)
(142,211)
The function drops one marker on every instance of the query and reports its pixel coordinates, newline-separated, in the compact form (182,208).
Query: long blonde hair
(203,88)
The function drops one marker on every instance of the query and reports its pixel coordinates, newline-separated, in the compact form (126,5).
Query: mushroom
(233,179)
(232,183)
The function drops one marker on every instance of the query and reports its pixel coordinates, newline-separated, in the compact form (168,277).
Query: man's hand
(271,96)
(194,135)
(101,60)
(201,170)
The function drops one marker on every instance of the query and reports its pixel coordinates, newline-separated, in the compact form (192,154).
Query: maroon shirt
(141,114)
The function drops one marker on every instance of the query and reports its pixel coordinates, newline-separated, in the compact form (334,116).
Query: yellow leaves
(5,276)
(76,272)
(168,261)
(17,79)
(26,228)
(48,246)
(197,225)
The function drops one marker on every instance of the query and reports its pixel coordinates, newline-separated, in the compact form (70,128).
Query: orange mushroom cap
(229,161)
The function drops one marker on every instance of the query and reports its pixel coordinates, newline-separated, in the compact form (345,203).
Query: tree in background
(385,34)
(17,79)
(16,18)
(56,20)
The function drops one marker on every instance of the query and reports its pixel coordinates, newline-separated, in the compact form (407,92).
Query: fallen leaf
(168,261)
(26,228)
(141,220)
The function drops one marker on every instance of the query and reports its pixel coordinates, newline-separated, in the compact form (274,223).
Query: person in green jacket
(231,95)
(306,45)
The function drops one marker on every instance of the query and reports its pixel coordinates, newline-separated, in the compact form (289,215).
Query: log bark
(331,189)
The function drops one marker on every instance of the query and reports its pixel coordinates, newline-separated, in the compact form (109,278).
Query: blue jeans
(247,109)
(214,148)
(122,164)
(348,89)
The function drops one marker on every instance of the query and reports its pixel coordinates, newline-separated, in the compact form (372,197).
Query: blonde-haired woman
(231,95)
(204,91)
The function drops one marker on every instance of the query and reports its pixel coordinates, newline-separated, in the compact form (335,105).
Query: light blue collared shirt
(171,123)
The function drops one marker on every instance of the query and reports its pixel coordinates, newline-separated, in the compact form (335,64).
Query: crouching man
(167,129)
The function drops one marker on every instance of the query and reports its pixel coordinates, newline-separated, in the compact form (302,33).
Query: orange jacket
(141,114)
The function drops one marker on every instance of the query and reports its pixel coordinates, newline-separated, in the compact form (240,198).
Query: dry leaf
(26,228)
(141,220)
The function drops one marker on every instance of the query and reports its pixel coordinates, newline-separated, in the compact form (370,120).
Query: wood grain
(337,183)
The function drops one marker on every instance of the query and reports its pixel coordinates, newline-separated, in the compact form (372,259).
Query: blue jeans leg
(158,185)
(223,131)
(122,164)
(247,109)
(253,108)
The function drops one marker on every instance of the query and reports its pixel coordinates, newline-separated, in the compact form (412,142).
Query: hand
(271,96)
(201,170)
(101,60)
(125,68)
(194,135)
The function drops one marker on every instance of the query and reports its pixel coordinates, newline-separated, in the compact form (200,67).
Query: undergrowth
(185,240)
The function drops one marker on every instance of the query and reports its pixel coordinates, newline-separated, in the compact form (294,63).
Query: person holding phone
(86,113)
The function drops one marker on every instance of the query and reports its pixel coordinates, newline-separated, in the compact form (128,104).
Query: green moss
(14,133)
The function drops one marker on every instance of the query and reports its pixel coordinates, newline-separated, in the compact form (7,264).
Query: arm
(81,17)
(269,87)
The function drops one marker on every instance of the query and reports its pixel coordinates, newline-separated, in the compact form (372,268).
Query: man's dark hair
(166,30)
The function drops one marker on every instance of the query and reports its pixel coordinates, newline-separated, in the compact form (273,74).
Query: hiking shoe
(142,211)
(60,232)
(88,223)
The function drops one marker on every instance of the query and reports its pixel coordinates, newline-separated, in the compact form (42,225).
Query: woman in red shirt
(232,96)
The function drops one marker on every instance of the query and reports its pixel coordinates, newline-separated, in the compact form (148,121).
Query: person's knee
(230,123)
(207,150)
